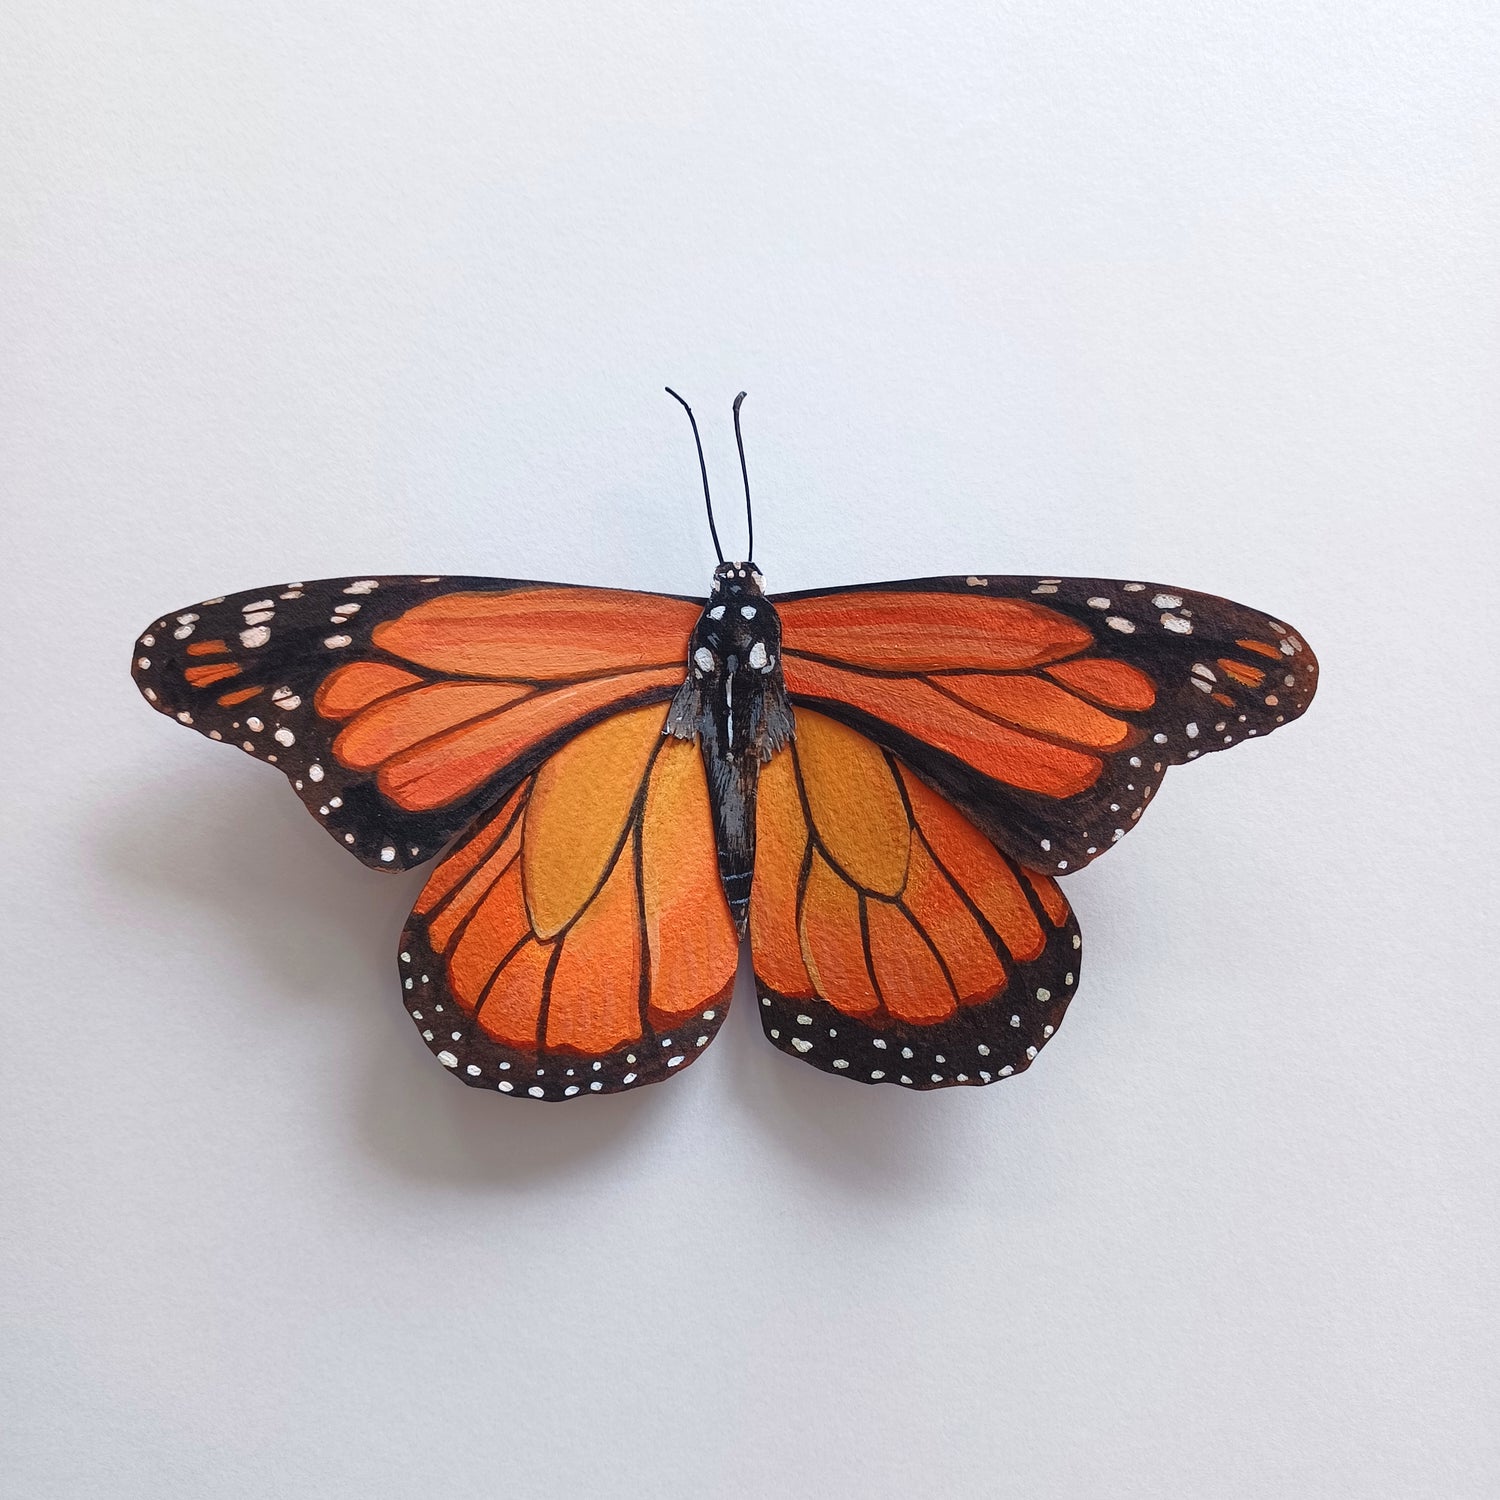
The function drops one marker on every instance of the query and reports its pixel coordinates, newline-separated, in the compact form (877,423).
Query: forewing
(578,941)
(1049,709)
(400,707)
(893,942)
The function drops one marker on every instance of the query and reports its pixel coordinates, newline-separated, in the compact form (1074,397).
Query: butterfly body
(733,702)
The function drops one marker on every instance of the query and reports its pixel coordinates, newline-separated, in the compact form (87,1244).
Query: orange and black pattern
(955,744)
(892,941)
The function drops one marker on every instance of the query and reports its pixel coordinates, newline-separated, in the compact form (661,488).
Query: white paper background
(1202,293)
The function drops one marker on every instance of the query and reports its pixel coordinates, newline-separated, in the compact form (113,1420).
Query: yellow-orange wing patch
(579,941)
(893,942)
(1048,709)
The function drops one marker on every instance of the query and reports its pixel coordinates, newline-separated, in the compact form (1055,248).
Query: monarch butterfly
(879,784)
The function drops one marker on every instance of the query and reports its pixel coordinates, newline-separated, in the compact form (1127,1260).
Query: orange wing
(893,942)
(1048,709)
(579,940)
(400,708)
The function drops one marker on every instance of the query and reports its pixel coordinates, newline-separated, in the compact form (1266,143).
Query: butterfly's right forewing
(1048,709)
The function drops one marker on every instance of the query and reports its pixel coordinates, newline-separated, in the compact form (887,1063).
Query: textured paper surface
(1189,294)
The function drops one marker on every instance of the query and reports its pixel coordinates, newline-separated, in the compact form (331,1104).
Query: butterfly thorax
(734,703)
(734,700)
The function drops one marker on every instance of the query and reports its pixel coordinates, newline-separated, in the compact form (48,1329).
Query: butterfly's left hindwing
(400,707)
(579,941)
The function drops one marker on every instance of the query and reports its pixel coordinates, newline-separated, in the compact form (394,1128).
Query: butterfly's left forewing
(400,708)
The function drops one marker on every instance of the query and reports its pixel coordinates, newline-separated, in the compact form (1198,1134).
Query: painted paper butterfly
(879,784)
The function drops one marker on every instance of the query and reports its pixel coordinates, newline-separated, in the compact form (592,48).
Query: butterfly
(879,785)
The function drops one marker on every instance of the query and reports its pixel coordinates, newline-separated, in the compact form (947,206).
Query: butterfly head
(737,580)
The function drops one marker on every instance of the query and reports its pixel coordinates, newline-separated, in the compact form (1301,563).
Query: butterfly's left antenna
(739,443)
(713,531)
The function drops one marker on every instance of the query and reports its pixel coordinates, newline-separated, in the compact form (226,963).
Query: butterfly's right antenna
(702,468)
(739,442)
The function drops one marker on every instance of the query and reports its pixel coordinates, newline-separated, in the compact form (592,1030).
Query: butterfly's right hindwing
(893,942)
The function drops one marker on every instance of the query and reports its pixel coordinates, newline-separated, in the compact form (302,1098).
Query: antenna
(739,442)
(702,469)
